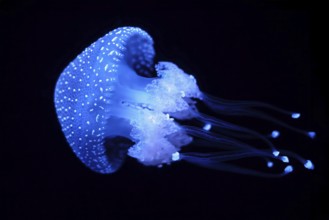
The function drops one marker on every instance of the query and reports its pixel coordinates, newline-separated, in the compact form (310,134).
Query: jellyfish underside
(148,117)
(220,142)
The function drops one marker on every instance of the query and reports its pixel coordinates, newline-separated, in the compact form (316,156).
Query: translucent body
(108,107)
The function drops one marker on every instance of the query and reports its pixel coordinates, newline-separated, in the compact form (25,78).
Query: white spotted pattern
(82,90)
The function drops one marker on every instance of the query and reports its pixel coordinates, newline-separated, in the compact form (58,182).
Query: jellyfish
(112,101)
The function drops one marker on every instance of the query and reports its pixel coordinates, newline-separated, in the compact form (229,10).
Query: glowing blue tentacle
(217,164)
(241,131)
(246,108)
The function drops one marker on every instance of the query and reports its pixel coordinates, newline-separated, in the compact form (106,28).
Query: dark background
(265,50)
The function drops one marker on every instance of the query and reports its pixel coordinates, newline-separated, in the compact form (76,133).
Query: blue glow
(207,127)
(285,159)
(270,164)
(275,134)
(288,169)
(175,156)
(112,101)
(295,115)
(309,165)
(85,90)
(311,134)
(276,153)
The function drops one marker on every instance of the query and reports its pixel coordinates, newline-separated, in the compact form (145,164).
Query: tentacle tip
(276,153)
(295,115)
(309,165)
(275,134)
(175,156)
(288,169)
(311,134)
(207,127)
(284,159)
(270,164)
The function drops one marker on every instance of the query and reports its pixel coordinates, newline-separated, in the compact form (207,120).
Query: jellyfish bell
(104,94)
(109,107)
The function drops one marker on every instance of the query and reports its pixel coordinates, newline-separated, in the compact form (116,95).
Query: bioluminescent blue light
(207,127)
(109,106)
(309,165)
(275,134)
(270,164)
(311,134)
(284,159)
(288,169)
(295,115)
(175,156)
(276,153)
